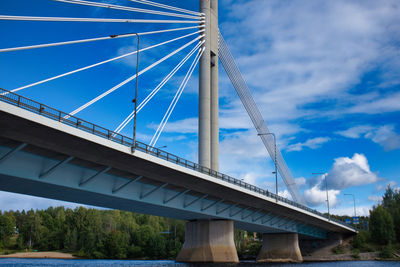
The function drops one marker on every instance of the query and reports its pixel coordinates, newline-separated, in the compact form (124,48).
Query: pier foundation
(209,241)
(282,247)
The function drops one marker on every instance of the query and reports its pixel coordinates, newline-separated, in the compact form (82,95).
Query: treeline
(383,231)
(385,219)
(92,233)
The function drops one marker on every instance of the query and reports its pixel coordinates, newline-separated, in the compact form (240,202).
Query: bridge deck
(103,157)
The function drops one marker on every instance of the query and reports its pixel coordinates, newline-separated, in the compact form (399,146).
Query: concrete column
(214,87)
(209,241)
(282,247)
(205,91)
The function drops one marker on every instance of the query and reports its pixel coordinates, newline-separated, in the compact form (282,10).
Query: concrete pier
(282,247)
(209,241)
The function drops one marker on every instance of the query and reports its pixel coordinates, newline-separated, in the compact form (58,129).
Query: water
(126,263)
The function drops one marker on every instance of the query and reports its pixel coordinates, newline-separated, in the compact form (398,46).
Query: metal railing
(65,118)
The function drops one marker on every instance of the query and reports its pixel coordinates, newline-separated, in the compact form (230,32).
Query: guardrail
(65,118)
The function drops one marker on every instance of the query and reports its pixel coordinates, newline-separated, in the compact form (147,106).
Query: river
(125,263)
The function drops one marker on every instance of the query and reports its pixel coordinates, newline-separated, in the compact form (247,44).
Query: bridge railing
(65,118)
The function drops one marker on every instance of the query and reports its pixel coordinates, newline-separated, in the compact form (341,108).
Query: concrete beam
(280,248)
(209,241)
(12,152)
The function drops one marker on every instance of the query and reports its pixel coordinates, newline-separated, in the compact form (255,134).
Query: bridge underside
(55,178)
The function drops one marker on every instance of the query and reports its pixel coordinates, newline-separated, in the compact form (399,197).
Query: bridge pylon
(209,240)
(208,89)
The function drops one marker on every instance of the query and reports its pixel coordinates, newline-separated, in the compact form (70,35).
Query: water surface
(126,263)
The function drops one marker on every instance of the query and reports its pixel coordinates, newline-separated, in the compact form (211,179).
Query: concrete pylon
(208,89)
(209,241)
(281,247)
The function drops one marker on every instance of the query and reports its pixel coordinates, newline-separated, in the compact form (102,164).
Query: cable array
(244,94)
(157,89)
(68,19)
(175,99)
(132,9)
(150,3)
(94,100)
(113,36)
(104,62)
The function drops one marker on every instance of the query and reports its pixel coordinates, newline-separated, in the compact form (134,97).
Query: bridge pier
(282,247)
(209,241)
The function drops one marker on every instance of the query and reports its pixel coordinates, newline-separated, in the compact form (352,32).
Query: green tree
(381,225)
(6,229)
(116,245)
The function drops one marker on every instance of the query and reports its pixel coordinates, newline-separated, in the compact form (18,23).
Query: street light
(354,201)
(326,188)
(276,171)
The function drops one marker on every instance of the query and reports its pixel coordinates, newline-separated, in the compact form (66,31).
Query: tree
(6,229)
(381,225)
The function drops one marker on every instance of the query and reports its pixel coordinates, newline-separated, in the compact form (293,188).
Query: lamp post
(326,189)
(133,148)
(354,201)
(276,168)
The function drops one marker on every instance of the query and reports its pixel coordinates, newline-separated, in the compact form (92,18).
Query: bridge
(54,154)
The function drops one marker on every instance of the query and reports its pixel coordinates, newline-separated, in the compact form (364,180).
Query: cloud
(12,201)
(349,211)
(347,172)
(380,104)
(189,125)
(356,132)
(382,187)
(301,181)
(285,193)
(313,143)
(386,137)
(315,196)
(293,56)
(383,135)
(375,198)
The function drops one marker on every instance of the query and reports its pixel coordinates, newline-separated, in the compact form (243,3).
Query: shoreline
(70,256)
(41,255)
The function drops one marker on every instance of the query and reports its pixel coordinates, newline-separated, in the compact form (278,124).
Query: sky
(324,74)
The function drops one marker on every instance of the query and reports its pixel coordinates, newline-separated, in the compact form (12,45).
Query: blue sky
(325,75)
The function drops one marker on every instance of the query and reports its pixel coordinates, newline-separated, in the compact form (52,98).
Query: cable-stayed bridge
(49,153)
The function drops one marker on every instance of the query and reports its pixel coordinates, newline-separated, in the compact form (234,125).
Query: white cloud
(384,135)
(313,143)
(301,181)
(293,55)
(285,193)
(347,172)
(356,132)
(189,125)
(349,211)
(316,196)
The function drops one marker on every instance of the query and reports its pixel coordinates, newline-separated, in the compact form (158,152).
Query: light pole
(354,201)
(326,188)
(276,168)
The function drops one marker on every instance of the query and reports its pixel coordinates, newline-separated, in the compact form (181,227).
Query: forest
(96,233)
